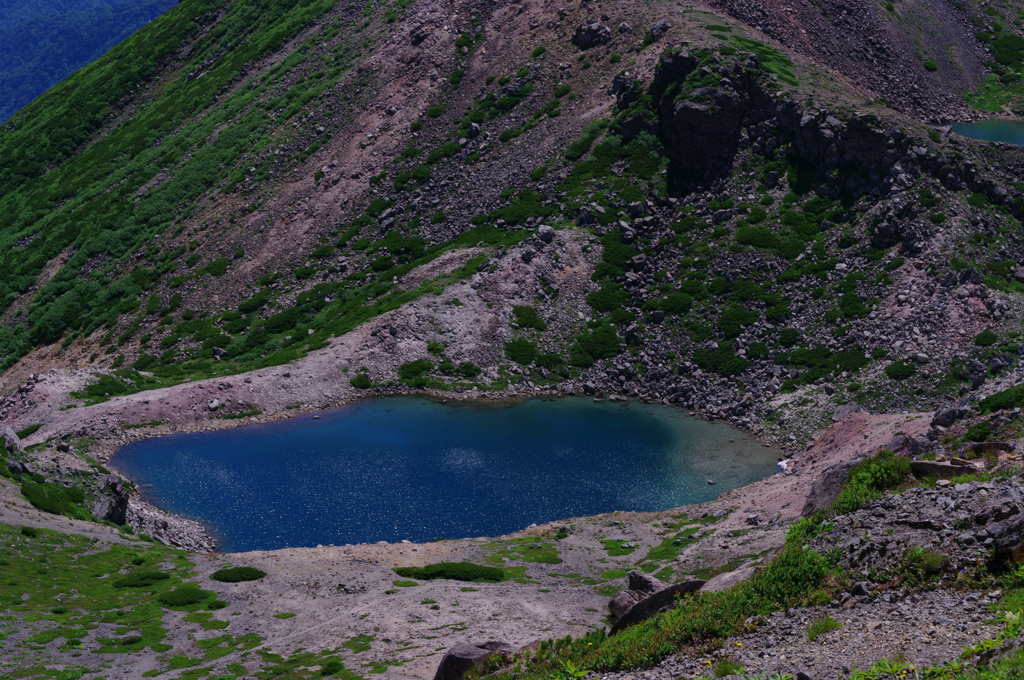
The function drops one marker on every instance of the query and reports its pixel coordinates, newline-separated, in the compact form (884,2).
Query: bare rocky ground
(340,592)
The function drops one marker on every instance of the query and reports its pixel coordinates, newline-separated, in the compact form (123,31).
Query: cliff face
(708,108)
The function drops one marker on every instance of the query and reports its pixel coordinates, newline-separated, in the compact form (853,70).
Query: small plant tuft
(825,624)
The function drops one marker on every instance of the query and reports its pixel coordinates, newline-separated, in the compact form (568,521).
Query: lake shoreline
(146,503)
(995,130)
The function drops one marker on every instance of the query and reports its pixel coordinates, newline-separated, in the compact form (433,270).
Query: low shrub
(527,317)
(1010,398)
(721,360)
(986,339)
(979,432)
(361,382)
(414,369)
(141,579)
(29,532)
(469,370)
(789,337)
(731,320)
(28,431)
(237,574)
(608,298)
(602,343)
(184,595)
(331,667)
(55,498)
(453,571)
(521,351)
(868,480)
(900,370)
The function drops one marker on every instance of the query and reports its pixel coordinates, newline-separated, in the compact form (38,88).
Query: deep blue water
(407,468)
(1009,131)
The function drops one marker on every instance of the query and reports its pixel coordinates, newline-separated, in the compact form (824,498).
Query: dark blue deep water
(1009,131)
(406,468)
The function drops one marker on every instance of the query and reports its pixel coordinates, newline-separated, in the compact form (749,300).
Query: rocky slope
(739,194)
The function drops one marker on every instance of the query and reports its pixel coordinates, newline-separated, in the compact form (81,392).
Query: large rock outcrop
(111,501)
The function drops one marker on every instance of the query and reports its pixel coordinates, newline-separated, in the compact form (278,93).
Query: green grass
(525,549)
(822,625)
(358,644)
(616,547)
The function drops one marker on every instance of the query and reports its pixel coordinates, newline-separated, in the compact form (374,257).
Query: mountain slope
(42,42)
(265,177)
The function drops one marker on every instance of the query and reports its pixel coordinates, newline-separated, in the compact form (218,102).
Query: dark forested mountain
(42,42)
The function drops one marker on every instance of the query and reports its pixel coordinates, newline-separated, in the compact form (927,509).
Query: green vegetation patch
(185,595)
(237,574)
(868,480)
(527,317)
(616,547)
(56,499)
(141,579)
(822,625)
(454,571)
(525,549)
(28,431)
(1006,399)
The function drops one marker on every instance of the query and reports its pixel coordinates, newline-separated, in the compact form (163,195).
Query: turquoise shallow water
(1009,131)
(408,468)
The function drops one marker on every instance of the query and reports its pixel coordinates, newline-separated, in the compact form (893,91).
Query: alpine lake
(1008,131)
(397,468)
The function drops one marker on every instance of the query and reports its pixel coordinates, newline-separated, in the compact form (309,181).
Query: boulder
(462,657)
(901,441)
(987,448)
(112,501)
(662,600)
(845,410)
(659,29)
(11,441)
(641,586)
(622,603)
(826,487)
(932,468)
(545,233)
(728,579)
(591,34)
(644,583)
(18,468)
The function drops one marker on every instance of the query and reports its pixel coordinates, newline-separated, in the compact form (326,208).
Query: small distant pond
(411,468)
(1009,131)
